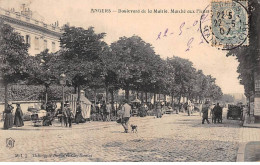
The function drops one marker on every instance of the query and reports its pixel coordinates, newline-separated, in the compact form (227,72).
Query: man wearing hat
(126,114)
(67,113)
(205,109)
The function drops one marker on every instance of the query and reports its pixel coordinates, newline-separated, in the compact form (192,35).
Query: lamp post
(62,82)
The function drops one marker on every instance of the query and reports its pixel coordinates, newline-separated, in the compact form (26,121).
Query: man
(217,113)
(189,107)
(158,110)
(126,110)
(213,114)
(67,114)
(108,111)
(205,109)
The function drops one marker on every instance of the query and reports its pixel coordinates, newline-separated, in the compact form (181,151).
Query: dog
(134,128)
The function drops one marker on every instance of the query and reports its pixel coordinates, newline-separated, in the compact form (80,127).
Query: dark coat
(205,110)
(78,116)
(217,110)
(67,112)
(18,118)
(8,122)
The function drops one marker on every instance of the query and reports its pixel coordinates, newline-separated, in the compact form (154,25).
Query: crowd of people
(108,112)
(215,111)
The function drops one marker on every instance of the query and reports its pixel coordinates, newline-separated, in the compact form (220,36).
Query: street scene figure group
(105,112)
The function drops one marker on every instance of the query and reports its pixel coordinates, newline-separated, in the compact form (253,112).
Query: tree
(133,57)
(80,55)
(42,70)
(184,76)
(248,56)
(13,57)
(228,98)
(110,76)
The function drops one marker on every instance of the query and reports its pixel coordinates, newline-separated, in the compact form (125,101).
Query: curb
(241,152)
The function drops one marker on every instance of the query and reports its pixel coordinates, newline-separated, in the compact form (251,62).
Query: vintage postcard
(129,81)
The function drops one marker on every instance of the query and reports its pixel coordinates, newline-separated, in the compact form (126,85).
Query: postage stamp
(228,27)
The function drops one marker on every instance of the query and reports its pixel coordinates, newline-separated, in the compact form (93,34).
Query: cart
(234,112)
(37,116)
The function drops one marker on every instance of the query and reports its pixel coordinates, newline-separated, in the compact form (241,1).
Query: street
(175,137)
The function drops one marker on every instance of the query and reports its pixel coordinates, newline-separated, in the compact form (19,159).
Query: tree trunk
(75,89)
(154,100)
(142,96)
(106,94)
(46,95)
(172,100)
(180,102)
(127,93)
(78,93)
(112,102)
(95,96)
(6,94)
(164,100)
(145,97)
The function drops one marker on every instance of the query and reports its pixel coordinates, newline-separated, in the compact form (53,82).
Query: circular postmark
(227,26)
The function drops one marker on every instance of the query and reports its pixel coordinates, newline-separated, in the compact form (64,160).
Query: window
(53,47)
(27,39)
(45,44)
(36,43)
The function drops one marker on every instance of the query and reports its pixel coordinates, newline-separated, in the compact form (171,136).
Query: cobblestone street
(175,137)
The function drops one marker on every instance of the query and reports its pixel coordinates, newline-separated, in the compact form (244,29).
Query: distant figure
(103,111)
(213,114)
(8,122)
(205,109)
(67,115)
(108,111)
(18,118)
(59,114)
(78,117)
(211,107)
(142,110)
(189,107)
(125,115)
(217,110)
(158,110)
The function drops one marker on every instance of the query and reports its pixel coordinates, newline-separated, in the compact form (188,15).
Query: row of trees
(88,62)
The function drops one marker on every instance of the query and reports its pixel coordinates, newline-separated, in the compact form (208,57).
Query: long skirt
(18,121)
(79,118)
(8,123)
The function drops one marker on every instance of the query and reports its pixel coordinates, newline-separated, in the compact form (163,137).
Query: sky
(183,37)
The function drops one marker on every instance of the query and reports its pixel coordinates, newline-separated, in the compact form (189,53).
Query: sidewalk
(249,148)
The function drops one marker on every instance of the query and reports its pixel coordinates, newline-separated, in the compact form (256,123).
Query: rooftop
(26,17)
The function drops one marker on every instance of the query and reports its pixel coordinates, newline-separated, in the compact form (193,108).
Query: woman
(8,122)
(18,118)
(78,116)
(142,111)
(158,110)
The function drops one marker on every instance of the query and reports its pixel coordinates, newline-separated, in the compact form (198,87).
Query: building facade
(37,34)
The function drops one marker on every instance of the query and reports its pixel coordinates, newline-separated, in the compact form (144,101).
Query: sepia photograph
(130,81)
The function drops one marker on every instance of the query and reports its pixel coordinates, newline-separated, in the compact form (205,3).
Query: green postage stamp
(229,24)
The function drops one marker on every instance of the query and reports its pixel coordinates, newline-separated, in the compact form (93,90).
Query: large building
(36,33)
